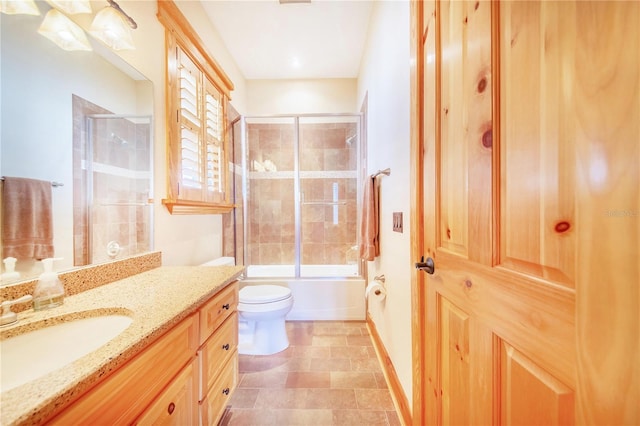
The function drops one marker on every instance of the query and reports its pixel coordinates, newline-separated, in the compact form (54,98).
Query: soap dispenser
(9,274)
(49,291)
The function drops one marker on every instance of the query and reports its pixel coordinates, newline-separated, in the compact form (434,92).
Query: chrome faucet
(9,317)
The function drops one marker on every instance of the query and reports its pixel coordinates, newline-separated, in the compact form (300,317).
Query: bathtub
(310,271)
(316,297)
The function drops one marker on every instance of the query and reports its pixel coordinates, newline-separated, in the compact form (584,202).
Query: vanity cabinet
(123,396)
(186,375)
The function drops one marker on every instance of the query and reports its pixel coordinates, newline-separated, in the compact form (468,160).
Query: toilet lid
(263,293)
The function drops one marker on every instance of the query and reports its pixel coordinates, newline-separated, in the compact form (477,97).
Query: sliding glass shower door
(301,196)
(119,186)
(328,194)
(270,189)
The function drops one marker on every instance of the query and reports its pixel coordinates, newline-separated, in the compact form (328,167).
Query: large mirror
(81,120)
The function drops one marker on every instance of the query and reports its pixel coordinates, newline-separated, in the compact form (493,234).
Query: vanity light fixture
(71,7)
(19,7)
(113,27)
(63,31)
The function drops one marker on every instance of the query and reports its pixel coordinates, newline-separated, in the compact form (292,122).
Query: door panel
(529,394)
(537,125)
(453,174)
(454,354)
(465,121)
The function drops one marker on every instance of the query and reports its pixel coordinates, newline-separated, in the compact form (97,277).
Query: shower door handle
(429,267)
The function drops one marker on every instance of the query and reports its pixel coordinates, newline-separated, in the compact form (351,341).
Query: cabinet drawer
(216,352)
(215,311)
(177,404)
(212,408)
(127,392)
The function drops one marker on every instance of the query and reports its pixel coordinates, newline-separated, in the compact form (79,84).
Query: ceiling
(269,40)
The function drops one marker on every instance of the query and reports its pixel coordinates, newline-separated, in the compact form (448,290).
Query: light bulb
(110,27)
(19,7)
(71,7)
(63,31)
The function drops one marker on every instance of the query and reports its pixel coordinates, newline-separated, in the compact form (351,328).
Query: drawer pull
(171,408)
(226,391)
(225,347)
(225,306)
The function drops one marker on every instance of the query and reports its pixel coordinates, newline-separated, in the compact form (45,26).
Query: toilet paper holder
(380,278)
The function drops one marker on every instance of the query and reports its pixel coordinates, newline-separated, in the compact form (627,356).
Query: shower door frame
(296,179)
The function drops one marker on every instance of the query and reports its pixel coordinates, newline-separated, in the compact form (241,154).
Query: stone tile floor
(329,375)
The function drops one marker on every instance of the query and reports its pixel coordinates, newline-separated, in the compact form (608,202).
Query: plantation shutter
(190,125)
(213,138)
(200,117)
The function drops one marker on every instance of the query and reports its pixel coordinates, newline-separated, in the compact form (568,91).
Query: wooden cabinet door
(531,212)
(177,405)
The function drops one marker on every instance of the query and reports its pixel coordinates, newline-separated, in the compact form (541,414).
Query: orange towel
(27,219)
(369,227)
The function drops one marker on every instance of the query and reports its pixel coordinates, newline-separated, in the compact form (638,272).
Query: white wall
(384,75)
(330,96)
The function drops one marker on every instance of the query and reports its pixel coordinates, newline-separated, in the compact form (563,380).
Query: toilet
(262,309)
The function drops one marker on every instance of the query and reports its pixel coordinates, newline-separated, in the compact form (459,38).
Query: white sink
(31,355)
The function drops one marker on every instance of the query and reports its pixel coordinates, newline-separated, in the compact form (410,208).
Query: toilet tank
(221,261)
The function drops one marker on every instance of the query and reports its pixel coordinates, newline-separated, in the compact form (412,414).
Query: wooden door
(528,200)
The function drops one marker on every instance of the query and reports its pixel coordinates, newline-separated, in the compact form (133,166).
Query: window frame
(213,196)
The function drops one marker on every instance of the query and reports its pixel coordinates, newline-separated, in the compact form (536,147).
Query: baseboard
(397,393)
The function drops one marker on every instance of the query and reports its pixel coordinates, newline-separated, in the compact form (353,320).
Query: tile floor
(329,375)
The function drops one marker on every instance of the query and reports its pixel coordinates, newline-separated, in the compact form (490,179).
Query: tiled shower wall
(328,164)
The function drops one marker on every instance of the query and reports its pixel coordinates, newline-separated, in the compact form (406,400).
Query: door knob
(428,266)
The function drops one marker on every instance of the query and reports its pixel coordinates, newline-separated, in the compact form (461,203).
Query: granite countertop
(156,300)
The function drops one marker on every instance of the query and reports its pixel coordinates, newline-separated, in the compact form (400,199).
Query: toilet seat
(263,294)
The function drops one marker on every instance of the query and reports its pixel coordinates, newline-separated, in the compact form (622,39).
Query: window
(197,94)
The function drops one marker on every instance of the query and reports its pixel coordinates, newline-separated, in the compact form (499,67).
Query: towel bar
(54,184)
(386,172)
(325,203)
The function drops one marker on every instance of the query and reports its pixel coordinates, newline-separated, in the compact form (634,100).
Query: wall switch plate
(397,222)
